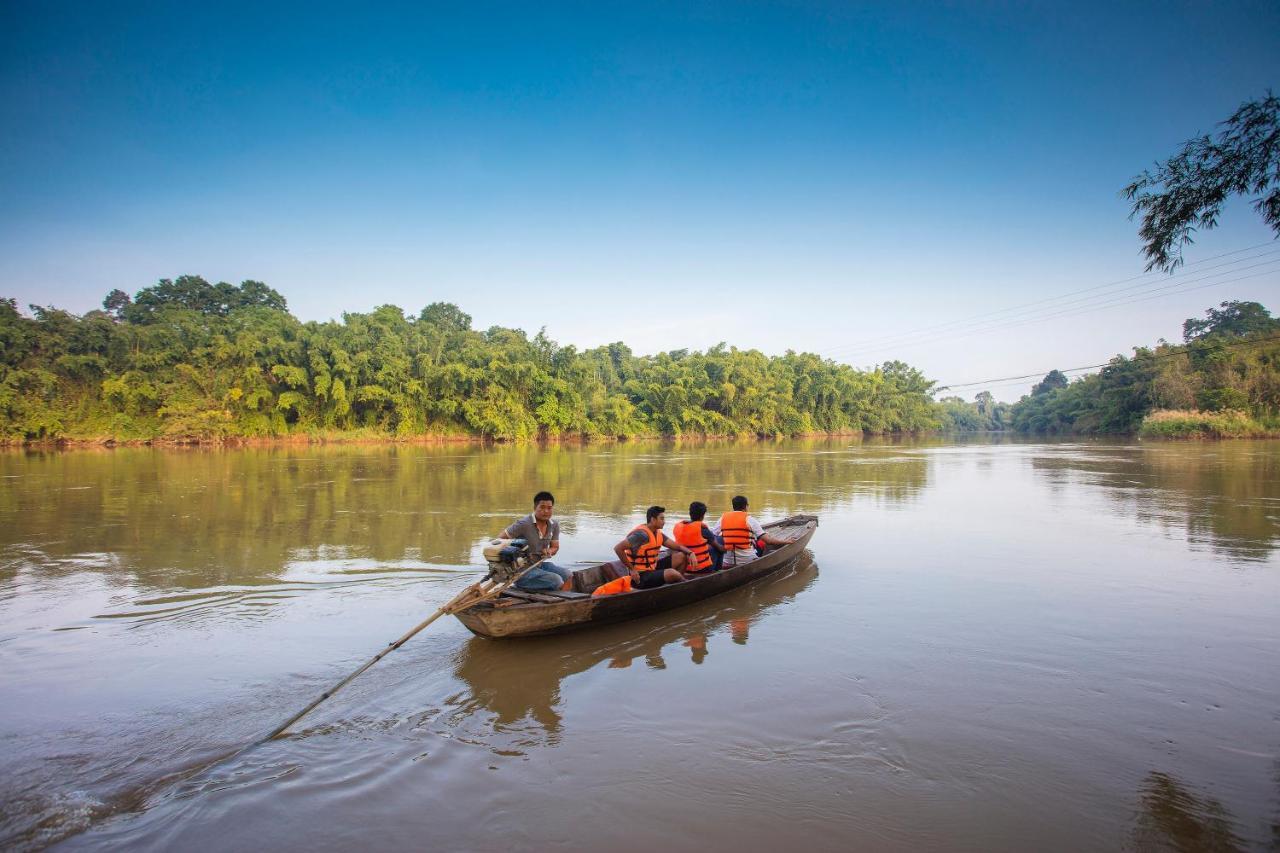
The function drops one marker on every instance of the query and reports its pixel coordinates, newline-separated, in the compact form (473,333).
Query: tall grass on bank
(1230,423)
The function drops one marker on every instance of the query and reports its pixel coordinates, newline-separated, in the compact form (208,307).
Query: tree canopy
(1187,191)
(1053,380)
(1229,362)
(193,293)
(186,359)
(1233,320)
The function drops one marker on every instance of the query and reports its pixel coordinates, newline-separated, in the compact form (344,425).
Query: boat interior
(586,581)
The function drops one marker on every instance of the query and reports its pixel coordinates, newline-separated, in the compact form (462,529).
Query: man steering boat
(542,533)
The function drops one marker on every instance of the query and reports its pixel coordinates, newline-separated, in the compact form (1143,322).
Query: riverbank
(1164,425)
(365,437)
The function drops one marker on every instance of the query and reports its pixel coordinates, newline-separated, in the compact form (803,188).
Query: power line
(1109,301)
(1093,303)
(885,339)
(1138,297)
(1156,356)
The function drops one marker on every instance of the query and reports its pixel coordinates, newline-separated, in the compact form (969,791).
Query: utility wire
(1146,278)
(1097,300)
(1130,299)
(1142,297)
(1127,299)
(1156,356)
(1093,303)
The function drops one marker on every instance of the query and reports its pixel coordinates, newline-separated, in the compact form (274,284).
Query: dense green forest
(187,360)
(1228,362)
(190,360)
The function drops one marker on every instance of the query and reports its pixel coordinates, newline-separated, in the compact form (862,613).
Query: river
(990,645)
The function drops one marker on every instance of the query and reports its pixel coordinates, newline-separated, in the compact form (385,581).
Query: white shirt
(738,556)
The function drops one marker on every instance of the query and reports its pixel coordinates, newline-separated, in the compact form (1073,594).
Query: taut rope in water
(478,592)
(471,596)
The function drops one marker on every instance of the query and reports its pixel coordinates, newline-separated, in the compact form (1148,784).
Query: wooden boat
(517,681)
(517,613)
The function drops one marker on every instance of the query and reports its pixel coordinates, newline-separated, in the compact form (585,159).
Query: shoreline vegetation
(1170,425)
(1222,381)
(189,363)
(358,437)
(1174,424)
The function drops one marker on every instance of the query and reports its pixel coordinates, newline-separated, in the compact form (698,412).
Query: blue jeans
(545,575)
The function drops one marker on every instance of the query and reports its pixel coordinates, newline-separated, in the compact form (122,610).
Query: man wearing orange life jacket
(639,553)
(698,538)
(740,532)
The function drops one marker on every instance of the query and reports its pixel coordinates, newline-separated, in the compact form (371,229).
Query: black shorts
(651,580)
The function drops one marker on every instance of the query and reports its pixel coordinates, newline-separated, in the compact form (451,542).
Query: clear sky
(827,177)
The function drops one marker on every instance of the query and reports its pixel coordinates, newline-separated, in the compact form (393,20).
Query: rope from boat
(477,593)
(474,594)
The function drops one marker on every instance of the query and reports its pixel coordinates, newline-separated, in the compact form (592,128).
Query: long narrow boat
(524,614)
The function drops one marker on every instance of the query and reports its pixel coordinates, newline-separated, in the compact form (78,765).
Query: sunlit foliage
(187,359)
(1230,362)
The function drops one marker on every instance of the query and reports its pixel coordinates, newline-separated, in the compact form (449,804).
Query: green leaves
(1235,318)
(1187,191)
(1211,373)
(189,359)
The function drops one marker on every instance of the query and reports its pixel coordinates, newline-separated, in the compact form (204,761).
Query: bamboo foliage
(191,360)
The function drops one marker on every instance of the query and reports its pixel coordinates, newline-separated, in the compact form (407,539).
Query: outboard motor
(506,558)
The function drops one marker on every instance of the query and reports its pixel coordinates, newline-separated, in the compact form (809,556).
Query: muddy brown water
(989,646)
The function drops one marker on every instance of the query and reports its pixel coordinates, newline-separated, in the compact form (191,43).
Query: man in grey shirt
(543,535)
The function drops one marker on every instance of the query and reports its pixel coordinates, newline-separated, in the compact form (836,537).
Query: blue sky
(781,175)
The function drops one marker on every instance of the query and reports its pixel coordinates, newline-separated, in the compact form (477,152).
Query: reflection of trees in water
(210,517)
(1171,817)
(1223,492)
(517,680)
(1275,821)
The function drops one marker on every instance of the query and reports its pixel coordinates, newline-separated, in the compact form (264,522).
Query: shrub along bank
(1226,424)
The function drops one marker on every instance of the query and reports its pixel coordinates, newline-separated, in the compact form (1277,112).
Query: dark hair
(653,512)
(697,511)
(739,503)
(543,496)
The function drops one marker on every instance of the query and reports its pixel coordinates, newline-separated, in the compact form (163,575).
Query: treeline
(1228,362)
(984,414)
(190,360)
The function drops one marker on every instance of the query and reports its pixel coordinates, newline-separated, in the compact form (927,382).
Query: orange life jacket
(645,558)
(735,531)
(621,585)
(689,534)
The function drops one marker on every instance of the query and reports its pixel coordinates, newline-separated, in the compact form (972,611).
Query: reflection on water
(1275,821)
(202,518)
(1005,637)
(519,680)
(1222,495)
(1174,818)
